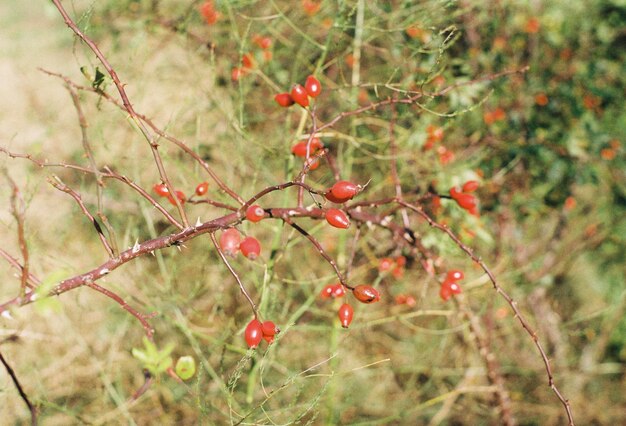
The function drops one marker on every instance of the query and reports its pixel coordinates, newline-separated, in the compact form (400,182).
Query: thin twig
(18,209)
(320,249)
(234,274)
(16,382)
(143,319)
(58,184)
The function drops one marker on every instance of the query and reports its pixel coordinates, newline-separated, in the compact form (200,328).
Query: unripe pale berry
(229,241)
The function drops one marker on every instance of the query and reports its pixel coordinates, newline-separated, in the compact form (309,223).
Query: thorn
(198,222)
(7,315)
(136,246)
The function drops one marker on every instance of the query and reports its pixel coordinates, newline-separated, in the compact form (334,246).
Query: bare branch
(16,382)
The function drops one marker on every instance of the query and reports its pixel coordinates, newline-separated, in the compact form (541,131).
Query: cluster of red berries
(464,198)
(333,290)
(435,134)
(231,243)
(396,266)
(208,12)
(257,331)
(300,94)
(162,191)
(405,299)
(363,293)
(247,60)
(450,285)
(491,117)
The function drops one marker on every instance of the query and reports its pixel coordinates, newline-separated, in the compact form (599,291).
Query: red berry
(346,313)
(454,275)
(466,201)
(338,290)
(330,197)
(398,272)
(269,331)
(254,333)
(385,264)
(284,100)
(400,299)
(299,95)
(470,186)
(473,211)
(263,42)
(366,293)
(400,260)
(250,247)
(161,189)
(454,192)
(299,149)
(247,61)
(181,198)
(337,218)
(445,292)
(255,213)
(202,188)
(229,241)
(344,189)
(236,73)
(454,288)
(327,291)
(312,86)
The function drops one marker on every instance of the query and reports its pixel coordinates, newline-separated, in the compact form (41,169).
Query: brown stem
(143,319)
(320,249)
(58,184)
(18,209)
(491,363)
(34,281)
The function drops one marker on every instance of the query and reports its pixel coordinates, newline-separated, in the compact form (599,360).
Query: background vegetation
(546,144)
